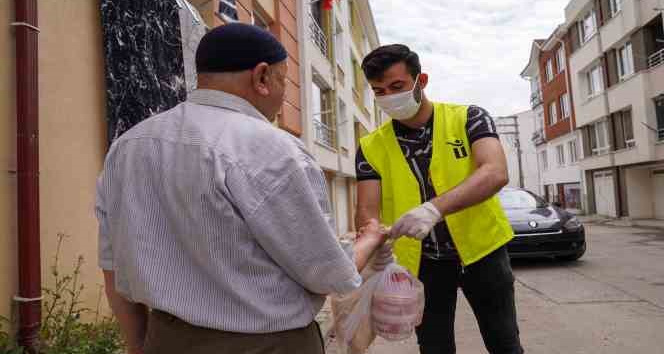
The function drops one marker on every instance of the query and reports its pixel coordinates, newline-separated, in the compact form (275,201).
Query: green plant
(63,329)
(7,344)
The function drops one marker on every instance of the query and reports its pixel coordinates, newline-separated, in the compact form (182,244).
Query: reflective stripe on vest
(476,231)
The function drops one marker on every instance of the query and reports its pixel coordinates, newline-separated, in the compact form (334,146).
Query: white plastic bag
(389,303)
(352,316)
(397,303)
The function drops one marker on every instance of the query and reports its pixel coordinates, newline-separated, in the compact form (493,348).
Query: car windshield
(519,199)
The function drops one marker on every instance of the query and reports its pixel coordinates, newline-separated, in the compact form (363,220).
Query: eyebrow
(391,84)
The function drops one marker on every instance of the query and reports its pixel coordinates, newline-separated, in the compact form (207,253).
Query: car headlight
(572,224)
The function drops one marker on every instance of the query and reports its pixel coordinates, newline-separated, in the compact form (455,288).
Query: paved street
(611,301)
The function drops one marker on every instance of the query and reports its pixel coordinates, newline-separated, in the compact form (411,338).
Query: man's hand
(417,223)
(382,258)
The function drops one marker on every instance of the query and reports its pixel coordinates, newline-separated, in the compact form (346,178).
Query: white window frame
(560,155)
(553,113)
(629,143)
(342,116)
(595,90)
(339,44)
(615,6)
(625,61)
(549,70)
(573,151)
(601,127)
(560,59)
(584,34)
(544,159)
(565,106)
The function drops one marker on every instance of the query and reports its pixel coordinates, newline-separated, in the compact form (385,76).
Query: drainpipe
(27,141)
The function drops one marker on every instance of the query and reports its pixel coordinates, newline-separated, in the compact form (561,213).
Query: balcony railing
(538,137)
(324,134)
(660,134)
(318,35)
(656,58)
(535,99)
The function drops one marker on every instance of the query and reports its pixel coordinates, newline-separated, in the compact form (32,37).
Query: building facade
(555,138)
(617,79)
(338,104)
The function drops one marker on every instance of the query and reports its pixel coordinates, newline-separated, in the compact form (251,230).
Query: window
(560,153)
(573,152)
(625,61)
(553,113)
(626,128)
(560,59)
(549,70)
(339,46)
(587,26)
(228,10)
(659,112)
(544,160)
(323,117)
(535,86)
(258,20)
(599,138)
(343,121)
(595,81)
(615,7)
(565,106)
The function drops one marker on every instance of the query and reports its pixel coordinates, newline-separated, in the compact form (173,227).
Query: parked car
(541,229)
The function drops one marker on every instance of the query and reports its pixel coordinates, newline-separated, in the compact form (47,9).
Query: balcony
(535,99)
(660,134)
(318,35)
(656,58)
(538,137)
(324,134)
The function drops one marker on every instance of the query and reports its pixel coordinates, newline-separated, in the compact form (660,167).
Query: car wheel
(575,256)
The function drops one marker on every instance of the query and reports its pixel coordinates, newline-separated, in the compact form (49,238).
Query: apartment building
(338,104)
(555,138)
(616,63)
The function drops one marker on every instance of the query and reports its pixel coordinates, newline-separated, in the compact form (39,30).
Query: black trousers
(488,285)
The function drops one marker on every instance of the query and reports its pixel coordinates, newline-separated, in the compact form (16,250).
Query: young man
(432,172)
(218,221)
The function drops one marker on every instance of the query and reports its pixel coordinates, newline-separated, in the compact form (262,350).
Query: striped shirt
(210,213)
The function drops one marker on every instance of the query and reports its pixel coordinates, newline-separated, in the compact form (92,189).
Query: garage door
(605,194)
(658,181)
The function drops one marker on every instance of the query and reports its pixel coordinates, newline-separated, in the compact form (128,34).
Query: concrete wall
(8,275)
(639,187)
(568,173)
(72,140)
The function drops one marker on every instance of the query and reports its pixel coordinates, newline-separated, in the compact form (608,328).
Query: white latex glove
(417,223)
(382,258)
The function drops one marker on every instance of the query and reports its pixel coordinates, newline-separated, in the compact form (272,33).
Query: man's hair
(376,63)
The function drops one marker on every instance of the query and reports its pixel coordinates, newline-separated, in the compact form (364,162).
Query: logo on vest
(458,148)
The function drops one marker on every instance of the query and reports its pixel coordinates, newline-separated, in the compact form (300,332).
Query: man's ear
(424,80)
(259,79)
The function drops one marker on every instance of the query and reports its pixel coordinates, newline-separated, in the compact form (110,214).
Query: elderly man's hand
(418,222)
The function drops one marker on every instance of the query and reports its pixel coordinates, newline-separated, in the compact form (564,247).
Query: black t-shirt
(417,147)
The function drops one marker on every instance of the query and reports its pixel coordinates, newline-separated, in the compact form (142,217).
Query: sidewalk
(622,222)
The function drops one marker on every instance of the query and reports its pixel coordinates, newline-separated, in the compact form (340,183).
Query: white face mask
(403,105)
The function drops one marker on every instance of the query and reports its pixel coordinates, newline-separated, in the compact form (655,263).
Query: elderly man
(217,221)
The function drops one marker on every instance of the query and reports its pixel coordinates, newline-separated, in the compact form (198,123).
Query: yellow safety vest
(476,231)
